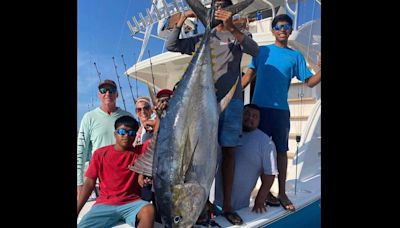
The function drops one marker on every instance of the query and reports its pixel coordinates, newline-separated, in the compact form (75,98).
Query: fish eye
(177,219)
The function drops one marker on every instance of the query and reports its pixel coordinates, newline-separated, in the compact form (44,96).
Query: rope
(123,25)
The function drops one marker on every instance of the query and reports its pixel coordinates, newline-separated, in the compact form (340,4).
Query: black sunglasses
(104,90)
(221,4)
(146,107)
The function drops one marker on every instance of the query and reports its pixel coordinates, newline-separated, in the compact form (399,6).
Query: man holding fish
(227,45)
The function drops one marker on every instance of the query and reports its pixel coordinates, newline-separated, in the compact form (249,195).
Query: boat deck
(307,193)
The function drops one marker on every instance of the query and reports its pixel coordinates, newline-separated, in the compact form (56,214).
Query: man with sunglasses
(96,129)
(227,44)
(275,66)
(119,199)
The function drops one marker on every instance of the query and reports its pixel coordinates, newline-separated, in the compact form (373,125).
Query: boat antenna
(119,84)
(127,76)
(151,68)
(97,70)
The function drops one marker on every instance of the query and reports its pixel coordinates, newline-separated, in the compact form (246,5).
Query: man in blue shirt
(275,66)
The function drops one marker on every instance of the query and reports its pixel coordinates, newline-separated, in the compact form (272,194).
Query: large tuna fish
(186,147)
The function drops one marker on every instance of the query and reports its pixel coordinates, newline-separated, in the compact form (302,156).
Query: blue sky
(102,34)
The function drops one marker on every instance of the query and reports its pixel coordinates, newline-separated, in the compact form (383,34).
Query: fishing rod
(92,103)
(137,92)
(97,70)
(119,84)
(129,81)
(153,96)
(151,68)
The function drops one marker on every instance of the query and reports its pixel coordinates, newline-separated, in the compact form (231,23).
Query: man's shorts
(230,124)
(276,124)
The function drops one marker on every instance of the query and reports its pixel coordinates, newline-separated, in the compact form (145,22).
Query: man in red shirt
(119,199)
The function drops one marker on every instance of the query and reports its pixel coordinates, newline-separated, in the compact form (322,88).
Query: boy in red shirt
(119,199)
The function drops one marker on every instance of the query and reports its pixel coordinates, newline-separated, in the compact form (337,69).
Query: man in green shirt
(97,127)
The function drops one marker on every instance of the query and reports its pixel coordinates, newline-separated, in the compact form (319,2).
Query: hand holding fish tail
(188,13)
(226,17)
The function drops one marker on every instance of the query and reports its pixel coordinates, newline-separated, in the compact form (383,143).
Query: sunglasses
(146,107)
(163,99)
(104,90)
(279,27)
(221,4)
(122,131)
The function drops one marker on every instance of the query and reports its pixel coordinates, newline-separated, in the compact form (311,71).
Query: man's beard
(247,129)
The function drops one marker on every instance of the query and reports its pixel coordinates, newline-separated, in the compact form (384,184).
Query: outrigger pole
(119,84)
(129,81)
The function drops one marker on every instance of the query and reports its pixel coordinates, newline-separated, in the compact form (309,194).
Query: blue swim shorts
(276,124)
(103,215)
(230,124)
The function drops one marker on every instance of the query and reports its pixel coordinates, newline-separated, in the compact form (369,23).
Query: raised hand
(188,13)
(225,17)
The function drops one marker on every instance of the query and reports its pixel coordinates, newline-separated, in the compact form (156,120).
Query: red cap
(167,92)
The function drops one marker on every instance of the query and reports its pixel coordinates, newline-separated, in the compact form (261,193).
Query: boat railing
(295,12)
(158,12)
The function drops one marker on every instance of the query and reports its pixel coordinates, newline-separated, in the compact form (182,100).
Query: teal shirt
(275,67)
(96,130)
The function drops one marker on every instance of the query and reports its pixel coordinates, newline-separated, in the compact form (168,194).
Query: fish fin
(144,164)
(200,10)
(151,92)
(228,97)
(236,8)
(187,162)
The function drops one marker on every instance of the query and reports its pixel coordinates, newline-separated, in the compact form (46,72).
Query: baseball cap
(167,92)
(108,82)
